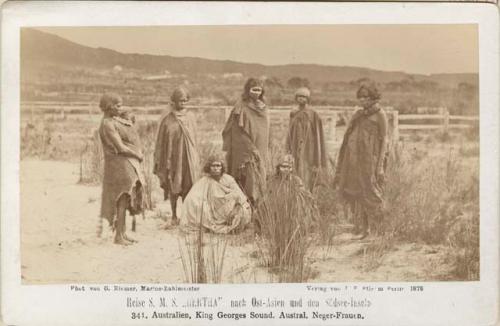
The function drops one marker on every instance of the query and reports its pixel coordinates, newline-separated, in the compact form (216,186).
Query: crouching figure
(216,202)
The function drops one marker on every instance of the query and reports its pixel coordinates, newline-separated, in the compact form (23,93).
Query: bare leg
(99,229)
(125,235)
(120,220)
(173,204)
(363,223)
(356,216)
(376,222)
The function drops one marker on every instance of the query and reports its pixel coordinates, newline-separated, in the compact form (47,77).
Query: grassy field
(432,194)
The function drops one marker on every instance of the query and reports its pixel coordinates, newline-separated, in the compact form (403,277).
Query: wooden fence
(441,121)
(334,117)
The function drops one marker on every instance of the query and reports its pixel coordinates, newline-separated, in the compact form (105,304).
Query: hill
(41,48)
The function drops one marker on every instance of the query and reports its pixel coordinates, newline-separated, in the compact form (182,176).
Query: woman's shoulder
(381,114)
(168,118)
(238,107)
(381,111)
(228,178)
(295,109)
(107,123)
(123,121)
(356,114)
(358,110)
(314,113)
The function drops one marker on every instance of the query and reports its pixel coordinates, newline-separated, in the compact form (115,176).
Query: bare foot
(122,242)
(127,238)
(173,223)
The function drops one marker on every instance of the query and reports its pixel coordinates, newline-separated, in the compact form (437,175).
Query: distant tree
(273,82)
(393,86)
(467,90)
(427,86)
(358,82)
(296,82)
(465,99)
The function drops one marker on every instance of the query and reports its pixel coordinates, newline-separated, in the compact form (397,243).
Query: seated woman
(216,202)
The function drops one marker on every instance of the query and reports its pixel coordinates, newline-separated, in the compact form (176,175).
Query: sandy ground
(59,243)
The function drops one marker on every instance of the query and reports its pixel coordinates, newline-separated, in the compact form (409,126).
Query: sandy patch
(59,243)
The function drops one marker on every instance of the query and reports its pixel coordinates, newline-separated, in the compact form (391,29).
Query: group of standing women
(359,171)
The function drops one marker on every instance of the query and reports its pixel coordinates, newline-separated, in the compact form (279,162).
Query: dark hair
(107,100)
(206,167)
(178,93)
(371,89)
(252,82)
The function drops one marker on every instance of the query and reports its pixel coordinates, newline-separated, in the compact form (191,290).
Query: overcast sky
(421,49)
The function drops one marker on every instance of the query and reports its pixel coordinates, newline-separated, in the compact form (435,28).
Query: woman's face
(285,168)
(301,99)
(181,103)
(115,108)
(216,169)
(366,101)
(255,92)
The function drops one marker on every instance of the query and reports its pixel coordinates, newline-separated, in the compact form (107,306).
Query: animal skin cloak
(219,206)
(176,161)
(306,143)
(122,174)
(246,139)
(357,162)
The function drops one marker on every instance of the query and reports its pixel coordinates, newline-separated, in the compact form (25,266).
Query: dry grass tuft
(284,218)
(329,205)
(434,200)
(202,257)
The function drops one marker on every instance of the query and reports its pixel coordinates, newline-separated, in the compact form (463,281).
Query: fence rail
(441,121)
(333,116)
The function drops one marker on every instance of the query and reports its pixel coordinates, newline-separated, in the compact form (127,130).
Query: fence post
(395,126)
(446,120)
(332,126)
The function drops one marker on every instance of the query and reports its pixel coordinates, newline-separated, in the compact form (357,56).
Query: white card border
(472,302)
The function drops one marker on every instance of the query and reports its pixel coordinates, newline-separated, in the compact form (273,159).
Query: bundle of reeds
(202,256)
(285,215)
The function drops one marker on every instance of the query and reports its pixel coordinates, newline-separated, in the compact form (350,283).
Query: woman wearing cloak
(246,139)
(175,158)
(306,140)
(123,180)
(361,161)
(216,202)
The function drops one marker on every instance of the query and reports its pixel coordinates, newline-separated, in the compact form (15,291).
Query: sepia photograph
(213,163)
(249,154)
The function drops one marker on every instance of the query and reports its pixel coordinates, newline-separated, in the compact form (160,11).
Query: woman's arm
(114,137)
